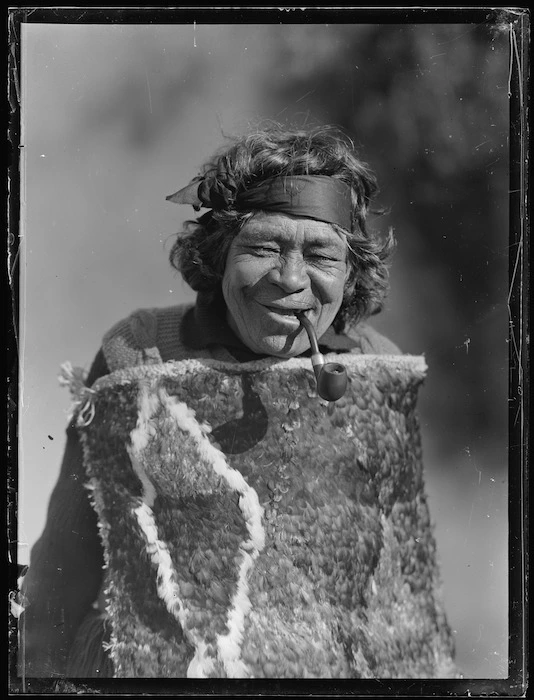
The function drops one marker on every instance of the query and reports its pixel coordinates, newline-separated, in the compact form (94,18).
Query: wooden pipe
(331,377)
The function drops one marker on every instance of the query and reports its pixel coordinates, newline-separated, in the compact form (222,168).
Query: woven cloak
(253,531)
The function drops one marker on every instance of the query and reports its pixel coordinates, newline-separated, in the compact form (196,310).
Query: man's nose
(290,274)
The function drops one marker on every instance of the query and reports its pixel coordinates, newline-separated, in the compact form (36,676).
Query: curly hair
(200,250)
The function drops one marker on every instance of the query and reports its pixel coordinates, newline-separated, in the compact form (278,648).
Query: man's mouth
(281,311)
(285,310)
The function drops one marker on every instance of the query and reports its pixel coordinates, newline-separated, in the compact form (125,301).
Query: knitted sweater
(65,573)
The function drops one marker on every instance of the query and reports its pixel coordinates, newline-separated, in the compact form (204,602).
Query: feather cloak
(251,530)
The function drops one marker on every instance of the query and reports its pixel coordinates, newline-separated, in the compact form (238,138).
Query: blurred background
(115,117)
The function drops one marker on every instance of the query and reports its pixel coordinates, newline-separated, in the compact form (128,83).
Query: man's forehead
(277,227)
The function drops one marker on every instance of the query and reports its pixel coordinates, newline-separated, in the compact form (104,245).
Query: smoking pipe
(331,377)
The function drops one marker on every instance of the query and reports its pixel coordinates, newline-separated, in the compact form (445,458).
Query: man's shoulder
(138,337)
(369,341)
(142,325)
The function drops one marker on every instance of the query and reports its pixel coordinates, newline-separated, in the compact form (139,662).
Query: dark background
(115,117)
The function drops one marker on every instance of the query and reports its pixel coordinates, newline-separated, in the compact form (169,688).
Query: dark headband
(318,197)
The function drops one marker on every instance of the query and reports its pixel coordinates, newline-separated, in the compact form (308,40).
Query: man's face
(277,265)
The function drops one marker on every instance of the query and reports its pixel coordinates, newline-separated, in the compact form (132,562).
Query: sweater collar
(206,325)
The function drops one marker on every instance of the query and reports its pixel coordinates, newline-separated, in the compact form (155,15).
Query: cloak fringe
(88,657)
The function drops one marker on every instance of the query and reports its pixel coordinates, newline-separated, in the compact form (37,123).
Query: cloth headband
(318,197)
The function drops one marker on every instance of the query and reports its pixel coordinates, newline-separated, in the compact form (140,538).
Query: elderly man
(236,524)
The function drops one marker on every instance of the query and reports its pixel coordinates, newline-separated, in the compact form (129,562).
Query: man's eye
(319,257)
(263,250)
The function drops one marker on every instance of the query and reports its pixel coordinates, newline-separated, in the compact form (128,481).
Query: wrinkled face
(277,265)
